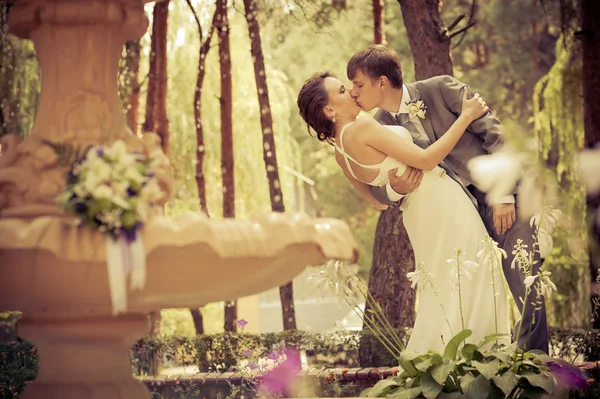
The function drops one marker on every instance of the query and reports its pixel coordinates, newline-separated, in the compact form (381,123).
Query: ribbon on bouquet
(124,258)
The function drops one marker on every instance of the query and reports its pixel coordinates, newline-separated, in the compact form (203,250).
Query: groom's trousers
(534,330)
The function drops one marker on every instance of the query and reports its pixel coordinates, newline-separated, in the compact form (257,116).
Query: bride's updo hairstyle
(311,100)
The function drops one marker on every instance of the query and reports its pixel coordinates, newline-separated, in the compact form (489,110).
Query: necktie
(423,142)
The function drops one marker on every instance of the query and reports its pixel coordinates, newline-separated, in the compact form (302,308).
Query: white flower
(546,286)
(521,256)
(420,278)
(134,174)
(102,192)
(491,254)
(117,151)
(529,280)
(498,173)
(334,275)
(151,192)
(416,278)
(467,269)
(588,163)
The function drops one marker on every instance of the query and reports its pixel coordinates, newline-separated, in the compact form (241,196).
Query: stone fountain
(54,270)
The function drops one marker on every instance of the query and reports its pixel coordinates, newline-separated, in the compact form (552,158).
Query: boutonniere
(416,108)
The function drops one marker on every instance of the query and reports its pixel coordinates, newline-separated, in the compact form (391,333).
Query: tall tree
(134,49)
(200,177)
(428,37)
(161,15)
(150,122)
(286,292)
(590,12)
(590,15)
(227,160)
(392,253)
(149,118)
(378,22)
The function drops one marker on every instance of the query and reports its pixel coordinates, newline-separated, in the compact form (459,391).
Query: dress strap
(340,148)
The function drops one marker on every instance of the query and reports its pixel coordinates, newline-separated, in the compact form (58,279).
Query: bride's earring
(333,119)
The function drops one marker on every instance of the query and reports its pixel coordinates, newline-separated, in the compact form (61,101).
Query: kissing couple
(413,154)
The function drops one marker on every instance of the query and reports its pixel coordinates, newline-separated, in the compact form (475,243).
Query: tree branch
(463,30)
(456,22)
(189,3)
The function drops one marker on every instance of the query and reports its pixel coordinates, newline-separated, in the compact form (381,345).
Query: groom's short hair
(375,61)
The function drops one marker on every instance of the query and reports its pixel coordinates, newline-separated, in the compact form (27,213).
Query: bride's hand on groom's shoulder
(407,182)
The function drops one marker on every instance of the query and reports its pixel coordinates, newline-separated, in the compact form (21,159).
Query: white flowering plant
(111,189)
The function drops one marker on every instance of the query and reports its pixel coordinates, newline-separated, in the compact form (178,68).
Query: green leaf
(542,380)
(503,357)
(506,382)
(475,388)
(384,387)
(423,365)
(491,338)
(409,393)
(431,388)
(488,370)
(452,347)
(468,350)
(405,361)
(440,372)
(436,358)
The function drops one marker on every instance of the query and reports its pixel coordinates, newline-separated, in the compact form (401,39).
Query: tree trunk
(134,48)
(155,319)
(392,258)
(428,37)
(379,22)
(591,71)
(286,292)
(161,13)
(149,121)
(198,321)
(200,149)
(227,164)
(200,177)
(392,253)
(590,11)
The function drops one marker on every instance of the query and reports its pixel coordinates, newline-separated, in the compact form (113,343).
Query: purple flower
(567,375)
(100,152)
(247,352)
(130,192)
(273,355)
(252,366)
(276,381)
(241,323)
(80,207)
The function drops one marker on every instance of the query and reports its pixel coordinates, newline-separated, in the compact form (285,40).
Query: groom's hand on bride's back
(407,182)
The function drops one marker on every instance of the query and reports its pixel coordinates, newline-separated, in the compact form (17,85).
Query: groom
(376,75)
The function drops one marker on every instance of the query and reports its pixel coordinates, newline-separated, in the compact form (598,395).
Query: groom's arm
(491,130)
(406,183)
(488,127)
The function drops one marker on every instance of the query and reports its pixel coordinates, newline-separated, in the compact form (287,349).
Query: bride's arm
(364,190)
(389,143)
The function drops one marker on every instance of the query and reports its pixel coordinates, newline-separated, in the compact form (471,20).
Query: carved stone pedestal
(54,270)
(85,358)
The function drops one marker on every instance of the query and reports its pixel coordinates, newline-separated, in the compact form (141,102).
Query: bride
(438,216)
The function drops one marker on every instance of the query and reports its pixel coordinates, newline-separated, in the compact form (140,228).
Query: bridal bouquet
(111,190)
(114,191)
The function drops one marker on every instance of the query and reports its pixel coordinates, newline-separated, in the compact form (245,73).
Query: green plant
(470,371)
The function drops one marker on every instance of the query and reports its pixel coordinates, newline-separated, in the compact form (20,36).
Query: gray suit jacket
(443,97)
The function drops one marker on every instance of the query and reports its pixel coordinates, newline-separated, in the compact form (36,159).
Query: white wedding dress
(439,219)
